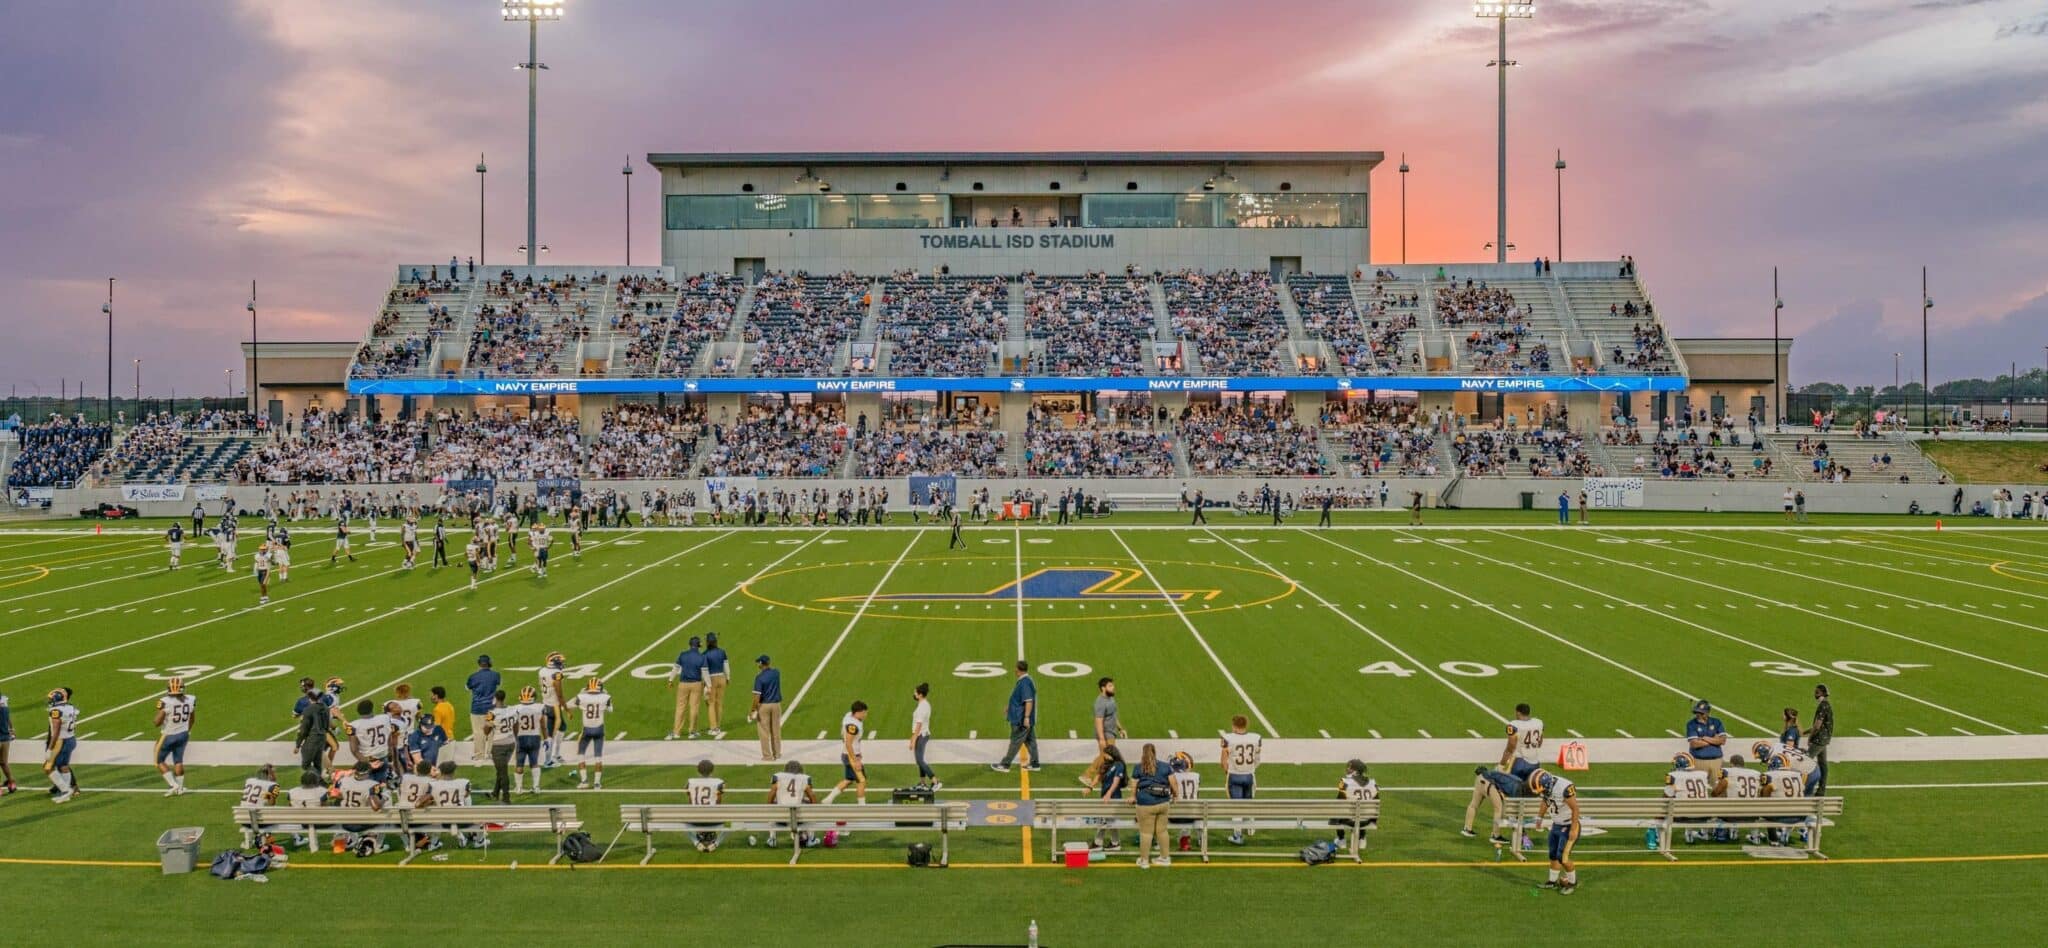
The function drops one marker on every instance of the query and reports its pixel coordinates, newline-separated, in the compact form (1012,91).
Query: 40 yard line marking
(818,671)
(1184,620)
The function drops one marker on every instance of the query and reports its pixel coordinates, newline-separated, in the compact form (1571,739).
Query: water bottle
(1650,838)
(1031,934)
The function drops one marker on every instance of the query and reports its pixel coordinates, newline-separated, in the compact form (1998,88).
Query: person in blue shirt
(425,744)
(766,712)
(483,690)
(1112,785)
(1023,717)
(1564,508)
(1154,797)
(1789,736)
(688,676)
(6,738)
(717,673)
(1704,735)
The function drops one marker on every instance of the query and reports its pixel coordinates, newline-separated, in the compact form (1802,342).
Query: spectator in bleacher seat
(1249,440)
(798,322)
(1094,324)
(58,452)
(1232,317)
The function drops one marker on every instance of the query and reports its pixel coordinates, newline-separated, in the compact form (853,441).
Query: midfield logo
(1059,584)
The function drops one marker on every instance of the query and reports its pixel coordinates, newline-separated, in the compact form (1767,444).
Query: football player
(1782,781)
(1738,782)
(707,790)
(1685,782)
(262,567)
(281,554)
(59,744)
(409,538)
(851,728)
(591,706)
(359,790)
(261,790)
(1186,784)
(1241,751)
(537,538)
(1561,806)
(553,708)
(474,554)
(789,788)
(511,534)
(528,718)
(175,540)
(576,531)
(6,741)
(224,541)
(371,736)
(1523,753)
(340,543)
(1355,785)
(174,724)
(1790,758)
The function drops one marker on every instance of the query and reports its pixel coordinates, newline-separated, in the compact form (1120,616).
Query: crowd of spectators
(1234,319)
(1096,450)
(704,312)
(525,323)
(334,448)
(643,441)
(894,451)
(1094,324)
(501,445)
(1383,438)
(799,321)
(944,326)
(159,437)
(58,452)
(1529,452)
(1649,349)
(793,440)
(1250,441)
(1363,337)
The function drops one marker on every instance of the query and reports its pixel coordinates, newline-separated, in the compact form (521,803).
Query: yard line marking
(1573,733)
(1199,640)
(1173,734)
(1912,602)
(1865,681)
(1324,733)
(1468,730)
(216,673)
(1546,633)
(1624,733)
(87,735)
(1017,548)
(1868,732)
(1360,626)
(1962,732)
(818,670)
(1673,733)
(229,736)
(1423,733)
(132,736)
(1917,731)
(713,604)
(1870,628)
(1375,734)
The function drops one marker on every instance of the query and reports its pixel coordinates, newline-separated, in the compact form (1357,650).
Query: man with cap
(483,690)
(688,676)
(717,672)
(767,709)
(1704,736)
(1820,735)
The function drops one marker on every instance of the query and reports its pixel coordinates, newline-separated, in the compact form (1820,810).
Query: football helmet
(1761,750)
(1539,782)
(526,695)
(1182,763)
(56,697)
(556,660)
(594,684)
(335,686)
(1681,761)
(175,686)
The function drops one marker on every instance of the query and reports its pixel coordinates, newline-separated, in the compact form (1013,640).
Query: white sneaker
(1144,863)
(1164,861)
(937,786)
(64,798)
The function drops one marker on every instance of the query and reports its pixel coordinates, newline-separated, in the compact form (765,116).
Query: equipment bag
(228,864)
(1315,854)
(920,855)
(579,847)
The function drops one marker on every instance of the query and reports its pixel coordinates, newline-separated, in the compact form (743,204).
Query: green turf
(1990,462)
(1354,633)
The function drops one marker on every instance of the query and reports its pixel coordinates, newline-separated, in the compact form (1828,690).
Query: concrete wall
(1321,250)
(1722,496)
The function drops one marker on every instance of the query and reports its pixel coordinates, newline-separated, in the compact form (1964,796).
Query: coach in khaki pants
(689,674)
(717,671)
(767,709)
(483,695)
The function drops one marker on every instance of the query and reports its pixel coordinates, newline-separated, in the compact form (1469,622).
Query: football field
(1407,647)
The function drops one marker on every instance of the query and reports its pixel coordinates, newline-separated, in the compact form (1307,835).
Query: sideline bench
(1198,817)
(1669,814)
(555,819)
(649,819)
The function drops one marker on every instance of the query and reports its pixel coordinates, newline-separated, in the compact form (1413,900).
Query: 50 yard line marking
(1017,546)
(818,671)
(1184,620)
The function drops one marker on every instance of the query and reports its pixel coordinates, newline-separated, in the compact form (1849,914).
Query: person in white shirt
(789,788)
(921,735)
(852,727)
(1186,784)
(261,790)
(707,790)
(1355,785)
(1520,757)
(539,540)
(1684,782)
(1241,751)
(263,575)
(174,721)
(371,736)
(590,706)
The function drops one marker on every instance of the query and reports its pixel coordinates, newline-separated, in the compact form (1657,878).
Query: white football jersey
(852,727)
(1187,784)
(790,788)
(539,539)
(1355,788)
(307,797)
(1528,737)
(1555,805)
(527,720)
(357,791)
(452,792)
(414,789)
(262,563)
(550,685)
(373,734)
(408,716)
(1785,783)
(504,724)
(1241,753)
(1743,783)
(1793,759)
(704,791)
(410,533)
(594,705)
(66,716)
(257,791)
(177,711)
(1688,785)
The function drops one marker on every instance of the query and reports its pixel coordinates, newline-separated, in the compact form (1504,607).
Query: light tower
(533,12)
(1503,11)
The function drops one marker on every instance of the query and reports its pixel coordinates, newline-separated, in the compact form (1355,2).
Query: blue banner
(1285,383)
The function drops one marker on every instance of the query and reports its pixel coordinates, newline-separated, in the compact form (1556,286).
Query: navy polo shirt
(1711,727)
(768,684)
(483,690)
(690,665)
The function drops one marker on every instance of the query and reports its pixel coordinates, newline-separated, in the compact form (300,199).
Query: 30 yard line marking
(818,671)
(1755,645)
(1518,620)
(1017,547)
(1197,633)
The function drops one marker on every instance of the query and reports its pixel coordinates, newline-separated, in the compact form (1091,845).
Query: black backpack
(920,855)
(579,847)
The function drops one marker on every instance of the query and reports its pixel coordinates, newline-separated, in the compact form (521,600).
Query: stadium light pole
(138,388)
(532,12)
(626,172)
(1926,380)
(255,350)
(108,413)
(1404,207)
(1560,203)
(480,169)
(1503,11)
(1777,378)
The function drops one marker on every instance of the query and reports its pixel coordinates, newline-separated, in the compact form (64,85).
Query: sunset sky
(189,146)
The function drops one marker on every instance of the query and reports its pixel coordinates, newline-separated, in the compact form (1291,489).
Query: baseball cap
(711,638)
(484,660)
(761,660)
(695,641)
(1702,707)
